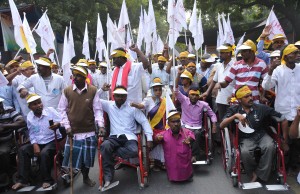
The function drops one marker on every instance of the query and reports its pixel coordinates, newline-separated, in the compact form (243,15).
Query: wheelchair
(142,167)
(206,135)
(231,156)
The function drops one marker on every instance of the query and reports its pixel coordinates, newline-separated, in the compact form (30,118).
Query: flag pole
(130,33)
(186,44)
(95,55)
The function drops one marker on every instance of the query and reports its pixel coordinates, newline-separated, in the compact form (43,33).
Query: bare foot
(46,185)
(254,177)
(89,182)
(19,186)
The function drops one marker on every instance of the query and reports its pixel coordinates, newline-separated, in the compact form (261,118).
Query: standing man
(46,84)
(222,69)
(176,143)
(80,108)
(248,71)
(93,71)
(129,74)
(104,76)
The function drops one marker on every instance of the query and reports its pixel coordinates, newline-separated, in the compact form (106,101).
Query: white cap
(120,91)
(222,47)
(32,98)
(172,113)
(156,84)
(103,64)
(1,99)
(42,62)
(244,47)
(82,64)
(275,53)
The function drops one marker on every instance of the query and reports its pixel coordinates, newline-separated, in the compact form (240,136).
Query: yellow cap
(183,55)
(242,92)
(288,50)
(278,36)
(26,64)
(12,62)
(79,70)
(191,64)
(248,45)
(161,58)
(32,97)
(187,74)
(173,114)
(118,53)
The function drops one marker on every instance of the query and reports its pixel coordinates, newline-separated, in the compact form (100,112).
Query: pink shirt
(192,115)
(177,154)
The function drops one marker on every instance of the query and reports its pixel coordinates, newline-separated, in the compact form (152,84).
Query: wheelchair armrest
(236,121)
(278,119)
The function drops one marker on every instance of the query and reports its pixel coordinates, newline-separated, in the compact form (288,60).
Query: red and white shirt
(243,74)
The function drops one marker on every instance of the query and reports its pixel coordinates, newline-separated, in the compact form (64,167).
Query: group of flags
(120,35)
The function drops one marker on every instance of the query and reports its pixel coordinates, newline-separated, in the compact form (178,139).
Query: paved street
(207,179)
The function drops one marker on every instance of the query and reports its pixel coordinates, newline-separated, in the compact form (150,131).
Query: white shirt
(19,79)
(39,131)
(123,120)
(287,87)
(50,96)
(134,87)
(98,81)
(219,76)
(162,74)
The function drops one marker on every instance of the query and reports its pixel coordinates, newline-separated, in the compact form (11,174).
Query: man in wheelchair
(9,120)
(122,140)
(42,142)
(253,118)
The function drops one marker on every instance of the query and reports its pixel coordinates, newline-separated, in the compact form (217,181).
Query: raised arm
(143,58)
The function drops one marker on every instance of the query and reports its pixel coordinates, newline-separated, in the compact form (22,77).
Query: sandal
(46,185)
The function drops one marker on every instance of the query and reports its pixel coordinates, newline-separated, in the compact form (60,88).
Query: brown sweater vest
(80,109)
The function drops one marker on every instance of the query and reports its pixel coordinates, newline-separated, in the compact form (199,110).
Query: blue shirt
(261,54)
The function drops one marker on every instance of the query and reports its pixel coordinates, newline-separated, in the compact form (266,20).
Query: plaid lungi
(84,152)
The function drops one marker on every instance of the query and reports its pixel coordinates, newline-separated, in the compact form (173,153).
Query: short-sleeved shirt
(10,116)
(258,118)
(243,74)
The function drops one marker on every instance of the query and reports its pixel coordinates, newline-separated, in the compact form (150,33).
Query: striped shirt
(244,74)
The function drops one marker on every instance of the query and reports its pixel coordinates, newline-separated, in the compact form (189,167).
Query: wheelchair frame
(230,155)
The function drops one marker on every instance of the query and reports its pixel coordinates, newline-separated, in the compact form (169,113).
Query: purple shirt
(192,115)
(177,154)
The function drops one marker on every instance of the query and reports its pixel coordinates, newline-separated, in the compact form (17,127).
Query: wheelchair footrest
(26,189)
(277,187)
(200,162)
(52,187)
(112,185)
(253,185)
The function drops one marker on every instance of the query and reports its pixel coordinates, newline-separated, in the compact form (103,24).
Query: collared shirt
(243,74)
(99,79)
(19,79)
(9,96)
(51,95)
(38,127)
(261,54)
(219,76)
(97,109)
(162,74)
(177,154)
(123,120)
(134,87)
(192,115)
(287,87)
(257,118)
(205,73)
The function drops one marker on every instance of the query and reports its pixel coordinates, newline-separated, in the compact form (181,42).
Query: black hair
(194,88)
(120,86)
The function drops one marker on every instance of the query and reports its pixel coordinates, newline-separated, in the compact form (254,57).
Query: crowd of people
(114,101)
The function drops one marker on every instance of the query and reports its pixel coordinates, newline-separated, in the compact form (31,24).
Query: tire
(227,150)
(210,141)
(145,153)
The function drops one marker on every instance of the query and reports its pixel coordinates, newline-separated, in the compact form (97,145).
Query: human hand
(69,132)
(263,100)
(23,93)
(159,137)
(241,118)
(102,132)
(180,70)
(187,140)
(36,149)
(50,51)
(266,32)
(18,58)
(134,48)
(105,87)
(204,96)
(54,126)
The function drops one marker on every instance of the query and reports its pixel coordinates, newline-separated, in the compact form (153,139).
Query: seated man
(255,116)
(176,144)
(192,114)
(122,140)
(42,144)
(9,120)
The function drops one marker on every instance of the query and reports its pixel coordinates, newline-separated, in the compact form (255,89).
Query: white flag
(169,103)
(29,36)
(18,26)
(113,35)
(147,35)
(100,44)
(230,36)
(221,32)
(151,22)
(241,41)
(44,30)
(174,25)
(123,21)
(160,45)
(190,47)
(180,14)
(71,42)
(276,27)
(224,28)
(154,43)
(140,35)
(85,44)
(66,60)
(200,32)
(193,26)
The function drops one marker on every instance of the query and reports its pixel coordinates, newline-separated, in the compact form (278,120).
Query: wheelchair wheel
(145,153)
(210,141)
(227,156)
(234,181)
